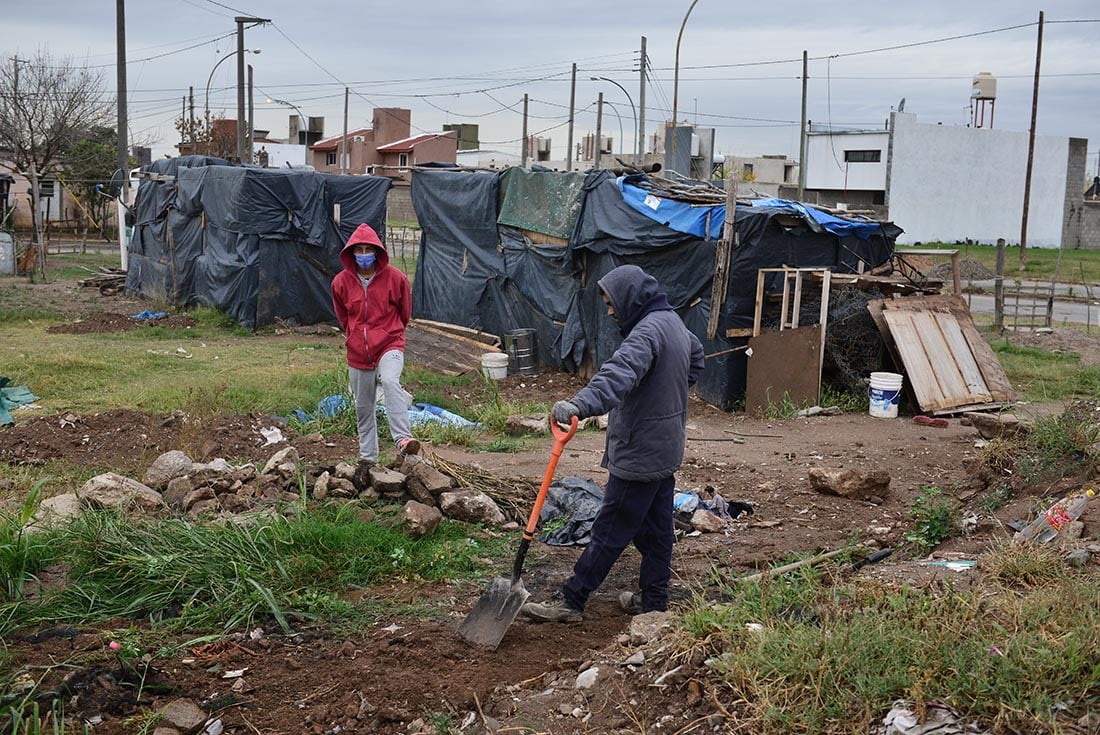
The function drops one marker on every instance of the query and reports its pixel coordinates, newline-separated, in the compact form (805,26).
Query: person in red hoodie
(373,305)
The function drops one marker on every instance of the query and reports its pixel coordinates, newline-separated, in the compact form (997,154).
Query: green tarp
(12,397)
(540,201)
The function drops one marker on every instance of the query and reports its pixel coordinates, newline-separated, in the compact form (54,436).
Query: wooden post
(999,288)
(722,256)
(955,273)
(1031,145)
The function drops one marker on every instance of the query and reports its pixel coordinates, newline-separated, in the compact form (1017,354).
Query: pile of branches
(514,496)
(109,281)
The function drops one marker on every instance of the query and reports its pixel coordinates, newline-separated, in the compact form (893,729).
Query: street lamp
(632,108)
(616,109)
(302,128)
(211,76)
(676,82)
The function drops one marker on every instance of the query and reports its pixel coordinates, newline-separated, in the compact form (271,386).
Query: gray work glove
(563,412)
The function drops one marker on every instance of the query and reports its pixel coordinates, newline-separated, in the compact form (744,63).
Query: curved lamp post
(301,123)
(632,108)
(676,81)
(211,76)
(614,107)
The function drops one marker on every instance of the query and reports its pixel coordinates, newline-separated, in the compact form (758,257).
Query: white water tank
(984,86)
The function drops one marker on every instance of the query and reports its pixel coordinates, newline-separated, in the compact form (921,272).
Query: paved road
(1064,311)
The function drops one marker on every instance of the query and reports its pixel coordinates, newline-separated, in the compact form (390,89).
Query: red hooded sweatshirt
(374,318)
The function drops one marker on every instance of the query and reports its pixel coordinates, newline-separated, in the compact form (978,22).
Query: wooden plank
(954,410)
(759,308)
(777,368)
(739,332)
(917,367)
(475,334)
(964,359)
(946,373)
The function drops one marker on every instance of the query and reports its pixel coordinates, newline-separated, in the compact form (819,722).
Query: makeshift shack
(259,244)
(522,248)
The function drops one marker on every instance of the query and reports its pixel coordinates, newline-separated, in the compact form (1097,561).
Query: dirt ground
(391,679)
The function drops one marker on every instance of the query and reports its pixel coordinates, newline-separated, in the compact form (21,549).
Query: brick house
(386,148)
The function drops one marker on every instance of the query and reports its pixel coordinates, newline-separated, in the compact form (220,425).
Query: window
(330,158)
(746,168)
(868,156)
(403,160)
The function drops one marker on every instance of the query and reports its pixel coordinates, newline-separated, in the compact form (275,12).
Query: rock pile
(174,483)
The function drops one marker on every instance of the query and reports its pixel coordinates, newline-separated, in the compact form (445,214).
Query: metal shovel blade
(494,613)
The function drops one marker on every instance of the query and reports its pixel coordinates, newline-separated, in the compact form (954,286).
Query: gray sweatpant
(364,387)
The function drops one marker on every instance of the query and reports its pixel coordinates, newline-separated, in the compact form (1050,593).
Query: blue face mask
(365,261)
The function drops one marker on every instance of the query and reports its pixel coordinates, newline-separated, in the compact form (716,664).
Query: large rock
(423,481)
(388,483)
(166,468)
(178,489)
(420,520)
(996,425)
(471,506)
(183,713)
(284,462)
(525,424)
(55,512)
(707,522)
(110,490)
(851,484)
(649,627)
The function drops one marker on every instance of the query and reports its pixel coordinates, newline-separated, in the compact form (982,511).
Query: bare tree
(47,104)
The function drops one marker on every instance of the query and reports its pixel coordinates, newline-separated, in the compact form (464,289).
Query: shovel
(498,607)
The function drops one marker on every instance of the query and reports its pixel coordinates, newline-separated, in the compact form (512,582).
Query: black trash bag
(570,509)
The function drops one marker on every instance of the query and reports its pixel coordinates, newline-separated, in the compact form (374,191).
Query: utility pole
(251,121)
(123,122)
(523,148)
(344,141)
(1031,145)
(120,68)
(641,108)
(191,105)
(802,137)
(572,107)
(599,131)
(240,20)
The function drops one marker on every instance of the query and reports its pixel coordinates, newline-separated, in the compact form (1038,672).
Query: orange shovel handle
(561,438)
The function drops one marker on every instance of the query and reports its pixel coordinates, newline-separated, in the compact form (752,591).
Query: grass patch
(827,657)
(1046,376)
(203,576)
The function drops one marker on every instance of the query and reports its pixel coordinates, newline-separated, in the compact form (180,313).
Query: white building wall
(280,154)
(826,169)
(951,183)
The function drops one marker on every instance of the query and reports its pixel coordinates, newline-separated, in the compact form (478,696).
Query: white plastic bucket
(494,365)
(885,394)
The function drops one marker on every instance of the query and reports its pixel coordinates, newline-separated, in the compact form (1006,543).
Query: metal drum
(520,346)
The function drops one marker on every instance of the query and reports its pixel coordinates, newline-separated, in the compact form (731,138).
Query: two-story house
(386,148)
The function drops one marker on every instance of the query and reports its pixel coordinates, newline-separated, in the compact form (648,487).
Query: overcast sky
(472,62)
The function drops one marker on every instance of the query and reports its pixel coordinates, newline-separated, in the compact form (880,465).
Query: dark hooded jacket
(645,383)
(374,318)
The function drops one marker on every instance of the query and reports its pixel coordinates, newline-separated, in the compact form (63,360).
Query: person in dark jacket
(373,305)
(644,386)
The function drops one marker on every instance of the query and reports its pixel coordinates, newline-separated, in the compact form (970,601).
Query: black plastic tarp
(259,244)
(476,271)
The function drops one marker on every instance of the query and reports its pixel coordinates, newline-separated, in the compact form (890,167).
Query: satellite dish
(901,105)
(115,187)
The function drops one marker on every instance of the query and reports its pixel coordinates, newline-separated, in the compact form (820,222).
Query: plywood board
(948,363)
(436,350)
(784,364)
(993,375)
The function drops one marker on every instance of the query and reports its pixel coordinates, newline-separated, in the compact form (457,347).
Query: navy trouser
(632,511)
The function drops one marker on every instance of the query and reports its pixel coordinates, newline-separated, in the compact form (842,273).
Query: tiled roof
(331,144)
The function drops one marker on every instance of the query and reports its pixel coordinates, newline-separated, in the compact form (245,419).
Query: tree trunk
(39,242)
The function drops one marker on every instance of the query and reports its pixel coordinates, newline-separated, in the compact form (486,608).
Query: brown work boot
(554,611)
(631,602)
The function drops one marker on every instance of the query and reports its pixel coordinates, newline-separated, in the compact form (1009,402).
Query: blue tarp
(705,221)
(824,220)
(419,413)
